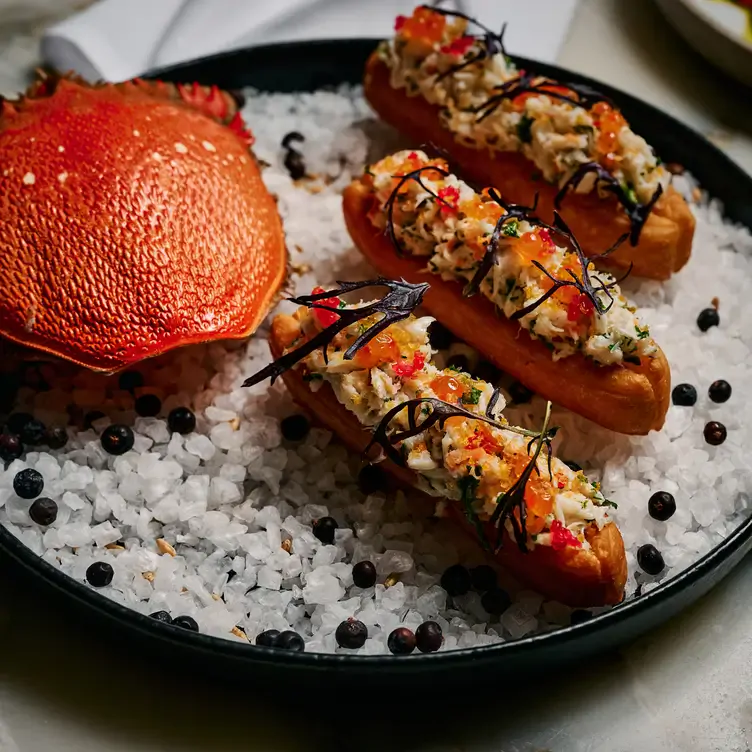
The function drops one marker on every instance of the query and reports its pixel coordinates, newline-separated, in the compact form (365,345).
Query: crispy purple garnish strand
(492,402)
(514,497)
(531,83)
(439,413)
(490,42)
(397,304)
(513,211)
(637,212)
(583,283)
(389,206)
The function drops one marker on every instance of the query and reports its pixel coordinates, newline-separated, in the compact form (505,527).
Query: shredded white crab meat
(557,136)
(444,458)
(454,241)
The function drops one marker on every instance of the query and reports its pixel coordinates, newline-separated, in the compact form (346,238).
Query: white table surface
(686,687)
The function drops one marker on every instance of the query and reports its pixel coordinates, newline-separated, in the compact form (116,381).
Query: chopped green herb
(613,346)
(467,486)
(629,192)
(583,129)
(312,377)
(471,397)
(342,304)
(454,367)
(609,503)
(642,333)
(510,229)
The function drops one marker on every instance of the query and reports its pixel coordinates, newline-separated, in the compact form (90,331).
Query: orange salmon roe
(539,503)
(424,25)
(447,388)
(381,349)
(580,307)
(610,122)
(530,246)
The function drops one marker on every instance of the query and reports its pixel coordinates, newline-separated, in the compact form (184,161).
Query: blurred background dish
(720,30)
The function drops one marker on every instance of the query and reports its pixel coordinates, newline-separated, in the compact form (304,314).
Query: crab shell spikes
(135,220)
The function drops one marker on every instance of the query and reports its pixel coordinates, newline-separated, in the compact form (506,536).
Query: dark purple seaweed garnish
(514,497)
(583,283)
(637,212)
(389,205)
(531,83)
(489,41)
(492,44)
(513,212)
(438,413)
(398,303)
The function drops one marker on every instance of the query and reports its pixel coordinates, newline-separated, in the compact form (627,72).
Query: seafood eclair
(516,289)
(528,135)
(365,372)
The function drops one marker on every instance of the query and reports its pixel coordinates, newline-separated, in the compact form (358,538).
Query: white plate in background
(720,30)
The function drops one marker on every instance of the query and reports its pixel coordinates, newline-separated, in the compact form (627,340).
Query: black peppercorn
(719,391)
(707,318)
(714,433)
(684,395)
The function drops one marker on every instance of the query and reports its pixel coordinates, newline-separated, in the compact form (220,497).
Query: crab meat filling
(557,136)
(441,218)
(465,453)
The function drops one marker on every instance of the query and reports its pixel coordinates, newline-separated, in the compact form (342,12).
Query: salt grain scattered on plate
(236,502)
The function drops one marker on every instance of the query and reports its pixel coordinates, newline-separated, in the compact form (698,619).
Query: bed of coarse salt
(227,496)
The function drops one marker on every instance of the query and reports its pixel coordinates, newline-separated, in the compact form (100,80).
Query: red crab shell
(134,220)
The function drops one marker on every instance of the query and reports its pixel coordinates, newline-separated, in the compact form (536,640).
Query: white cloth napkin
(119,39)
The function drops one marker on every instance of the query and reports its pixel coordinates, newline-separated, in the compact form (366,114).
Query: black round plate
(305,66)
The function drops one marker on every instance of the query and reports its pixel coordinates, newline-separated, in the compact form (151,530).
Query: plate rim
(248,653)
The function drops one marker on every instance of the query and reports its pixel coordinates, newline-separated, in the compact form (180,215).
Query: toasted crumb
(235,423)
(164,547)
(392,579)
(149,576)
(715,303)
(238,632)
(287,545)
(114,547)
